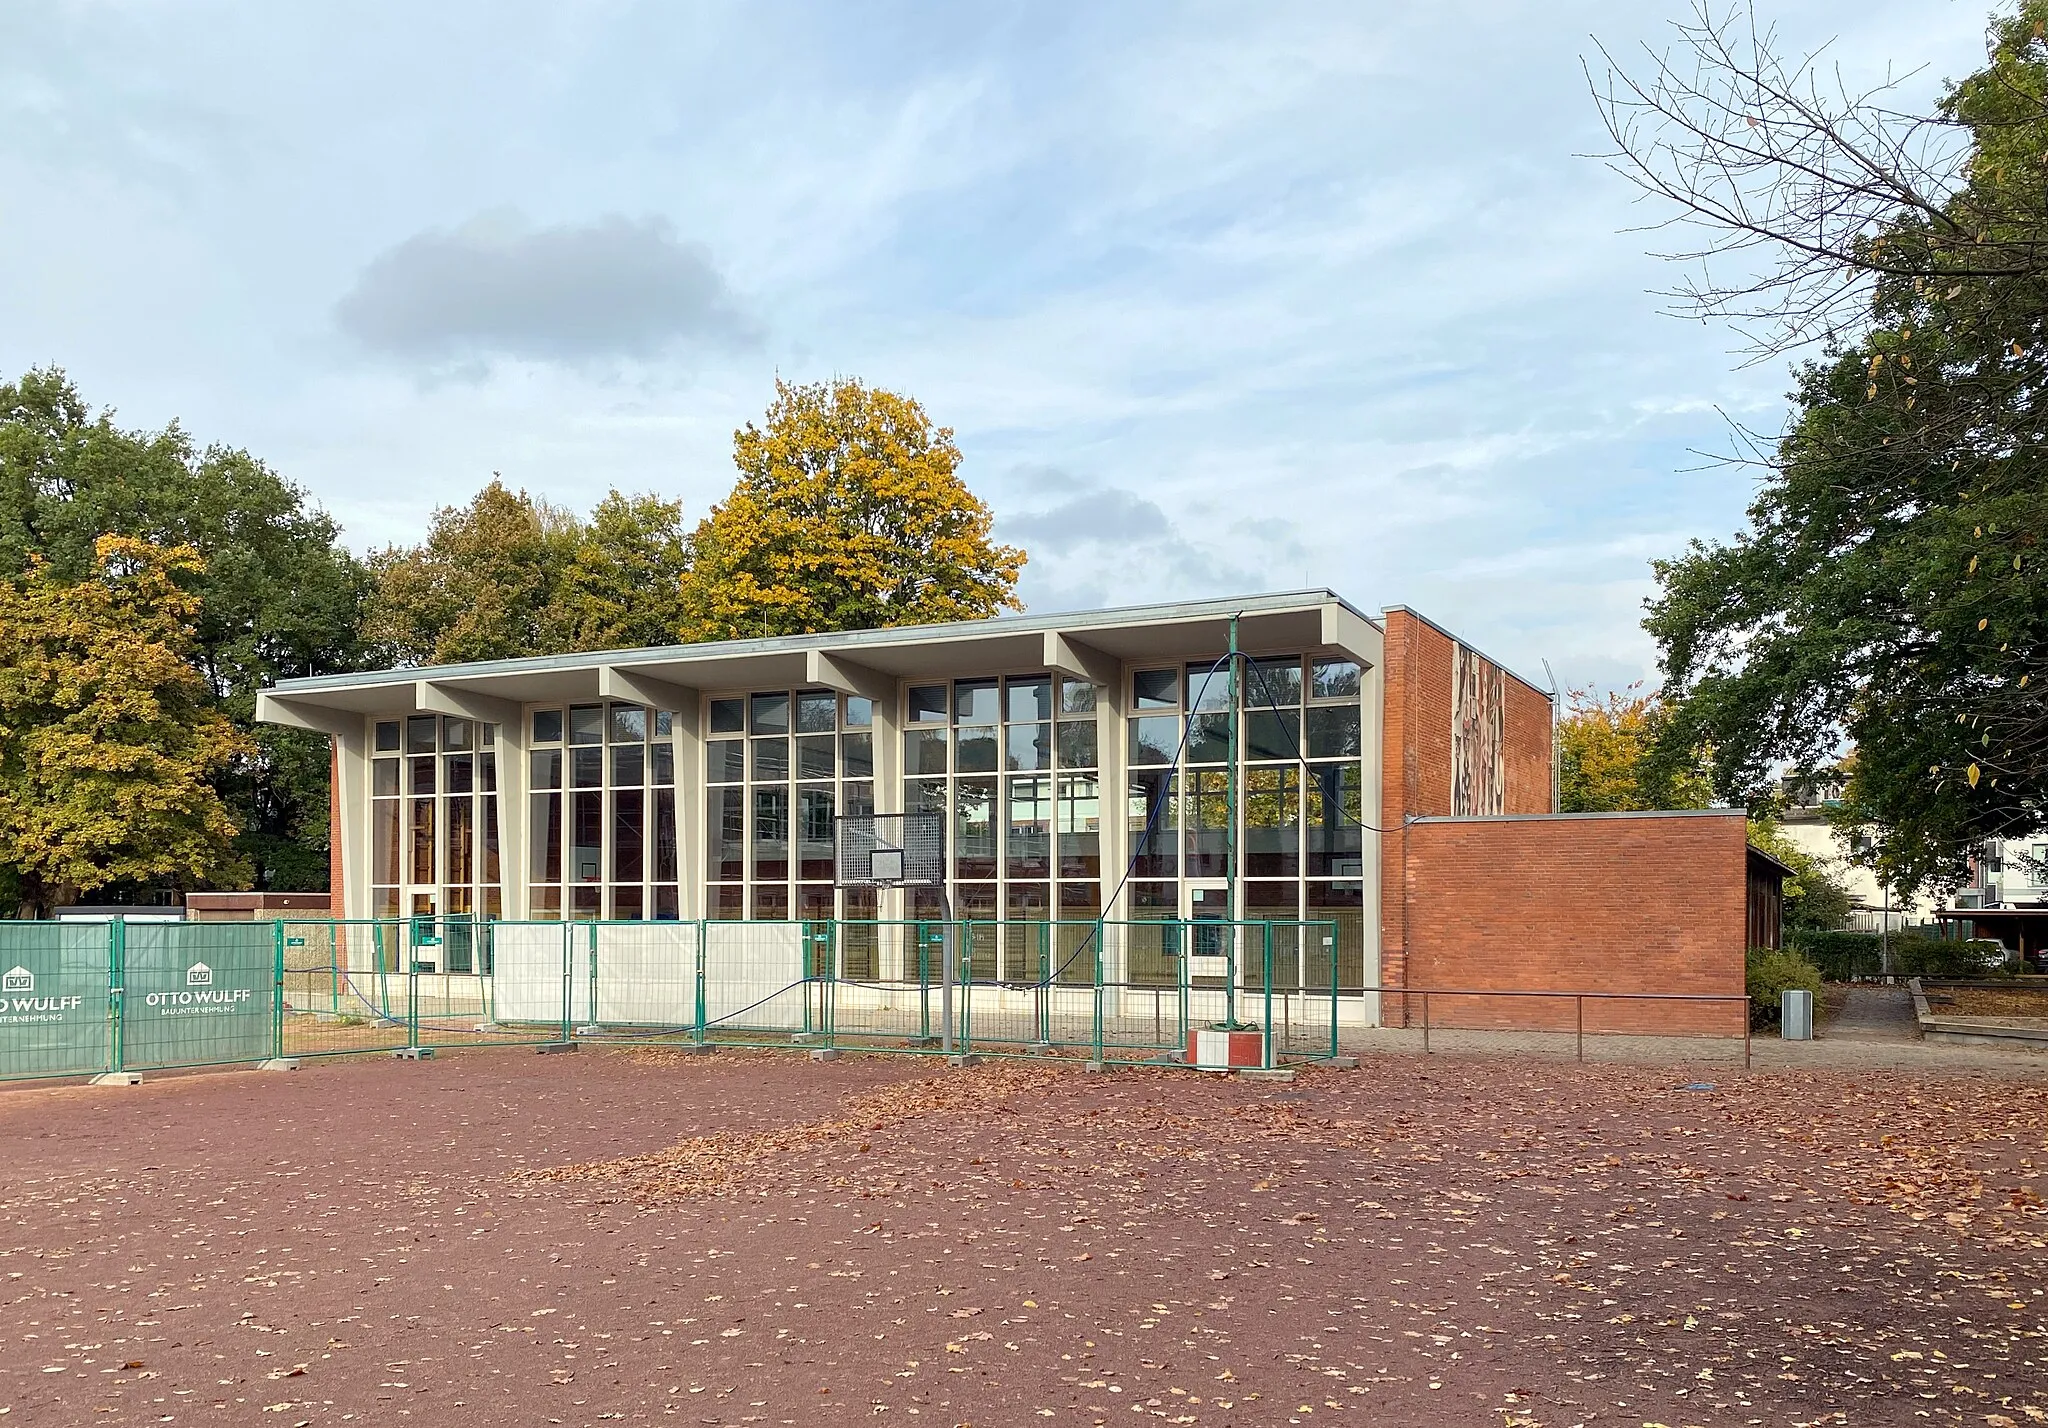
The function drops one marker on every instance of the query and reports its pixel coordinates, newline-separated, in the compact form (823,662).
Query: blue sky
(1218,298)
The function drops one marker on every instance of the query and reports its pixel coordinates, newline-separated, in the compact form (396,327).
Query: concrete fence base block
(552,1048)
(592,1030)
(1339,1063)
(967,1060)
(800,1037)
(279,1063)
(1096,1068)
(413,1053)
(826,1053)
(1278,1074)
(117,1078)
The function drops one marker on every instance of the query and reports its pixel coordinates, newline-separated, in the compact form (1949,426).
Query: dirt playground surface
(504,1238)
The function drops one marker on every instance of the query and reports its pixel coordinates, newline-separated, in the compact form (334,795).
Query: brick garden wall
(1631,903)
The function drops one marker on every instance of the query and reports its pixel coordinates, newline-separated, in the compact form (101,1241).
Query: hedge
(1844,956)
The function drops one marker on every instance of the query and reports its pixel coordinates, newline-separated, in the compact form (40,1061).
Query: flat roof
(1554,817)
(1268,623)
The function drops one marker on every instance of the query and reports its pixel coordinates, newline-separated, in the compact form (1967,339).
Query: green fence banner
(53,999)
(197,993)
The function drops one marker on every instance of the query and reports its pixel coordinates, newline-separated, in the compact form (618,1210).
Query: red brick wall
(1415,764)
(1415,761)
(1640,903)
(1528,749)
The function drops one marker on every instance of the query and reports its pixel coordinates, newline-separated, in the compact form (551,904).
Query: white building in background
(1810,831)
(2007,873)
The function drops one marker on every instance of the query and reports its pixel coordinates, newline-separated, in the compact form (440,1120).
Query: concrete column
(894,904)
(514,769)
(352,791)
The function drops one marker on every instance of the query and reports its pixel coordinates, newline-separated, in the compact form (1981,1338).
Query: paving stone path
(1874,1013)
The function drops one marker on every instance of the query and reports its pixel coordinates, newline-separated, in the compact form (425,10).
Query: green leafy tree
(1606,756)
(509,575)
(622,589)
(480,587)
(278,594)
(1888,591)
(110,741)
(849,514)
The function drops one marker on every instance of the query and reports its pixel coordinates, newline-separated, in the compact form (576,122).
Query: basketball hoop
(886,850)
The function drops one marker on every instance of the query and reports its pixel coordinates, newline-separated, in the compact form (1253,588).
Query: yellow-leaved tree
(109,739)
(1607,762)
(849,514)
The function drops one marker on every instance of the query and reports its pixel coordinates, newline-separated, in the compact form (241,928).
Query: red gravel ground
(880,1241)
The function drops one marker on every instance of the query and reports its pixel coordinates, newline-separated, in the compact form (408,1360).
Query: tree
(1606,762)
(509,575)
(849,514)
(479,588)
(110,741)
(1887,592)
(622,589)
(278,594)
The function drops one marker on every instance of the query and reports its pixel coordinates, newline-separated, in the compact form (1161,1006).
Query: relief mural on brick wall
(1479,697)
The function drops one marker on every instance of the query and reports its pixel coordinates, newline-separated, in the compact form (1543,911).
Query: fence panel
(1301,1016)
(756,981)
(343,987)
(884,992)
(55,1015)
(196,993)
(645,975)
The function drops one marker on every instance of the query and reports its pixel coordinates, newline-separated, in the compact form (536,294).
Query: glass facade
(435,848)
(1301,799)
(601,834)
(1013,764)
(779,765)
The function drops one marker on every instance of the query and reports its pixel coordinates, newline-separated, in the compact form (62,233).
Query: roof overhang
(1088,644)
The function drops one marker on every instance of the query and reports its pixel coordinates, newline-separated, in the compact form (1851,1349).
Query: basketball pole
(1230,852)
(946,956)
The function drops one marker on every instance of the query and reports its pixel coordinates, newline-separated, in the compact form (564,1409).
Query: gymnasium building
(1391,780)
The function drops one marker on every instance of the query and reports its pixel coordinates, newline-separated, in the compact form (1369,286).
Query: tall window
(779,765)
(1300,819)
(1012,762)
(434,842)
(601,813)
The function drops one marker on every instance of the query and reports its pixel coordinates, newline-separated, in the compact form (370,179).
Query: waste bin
(1795,1015)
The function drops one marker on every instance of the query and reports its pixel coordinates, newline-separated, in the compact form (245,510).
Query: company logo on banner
(19,1004)
(199,975)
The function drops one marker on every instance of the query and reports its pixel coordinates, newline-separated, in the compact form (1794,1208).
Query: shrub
(1769,971)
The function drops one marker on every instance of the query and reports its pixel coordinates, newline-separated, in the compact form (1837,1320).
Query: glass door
(1210,939)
